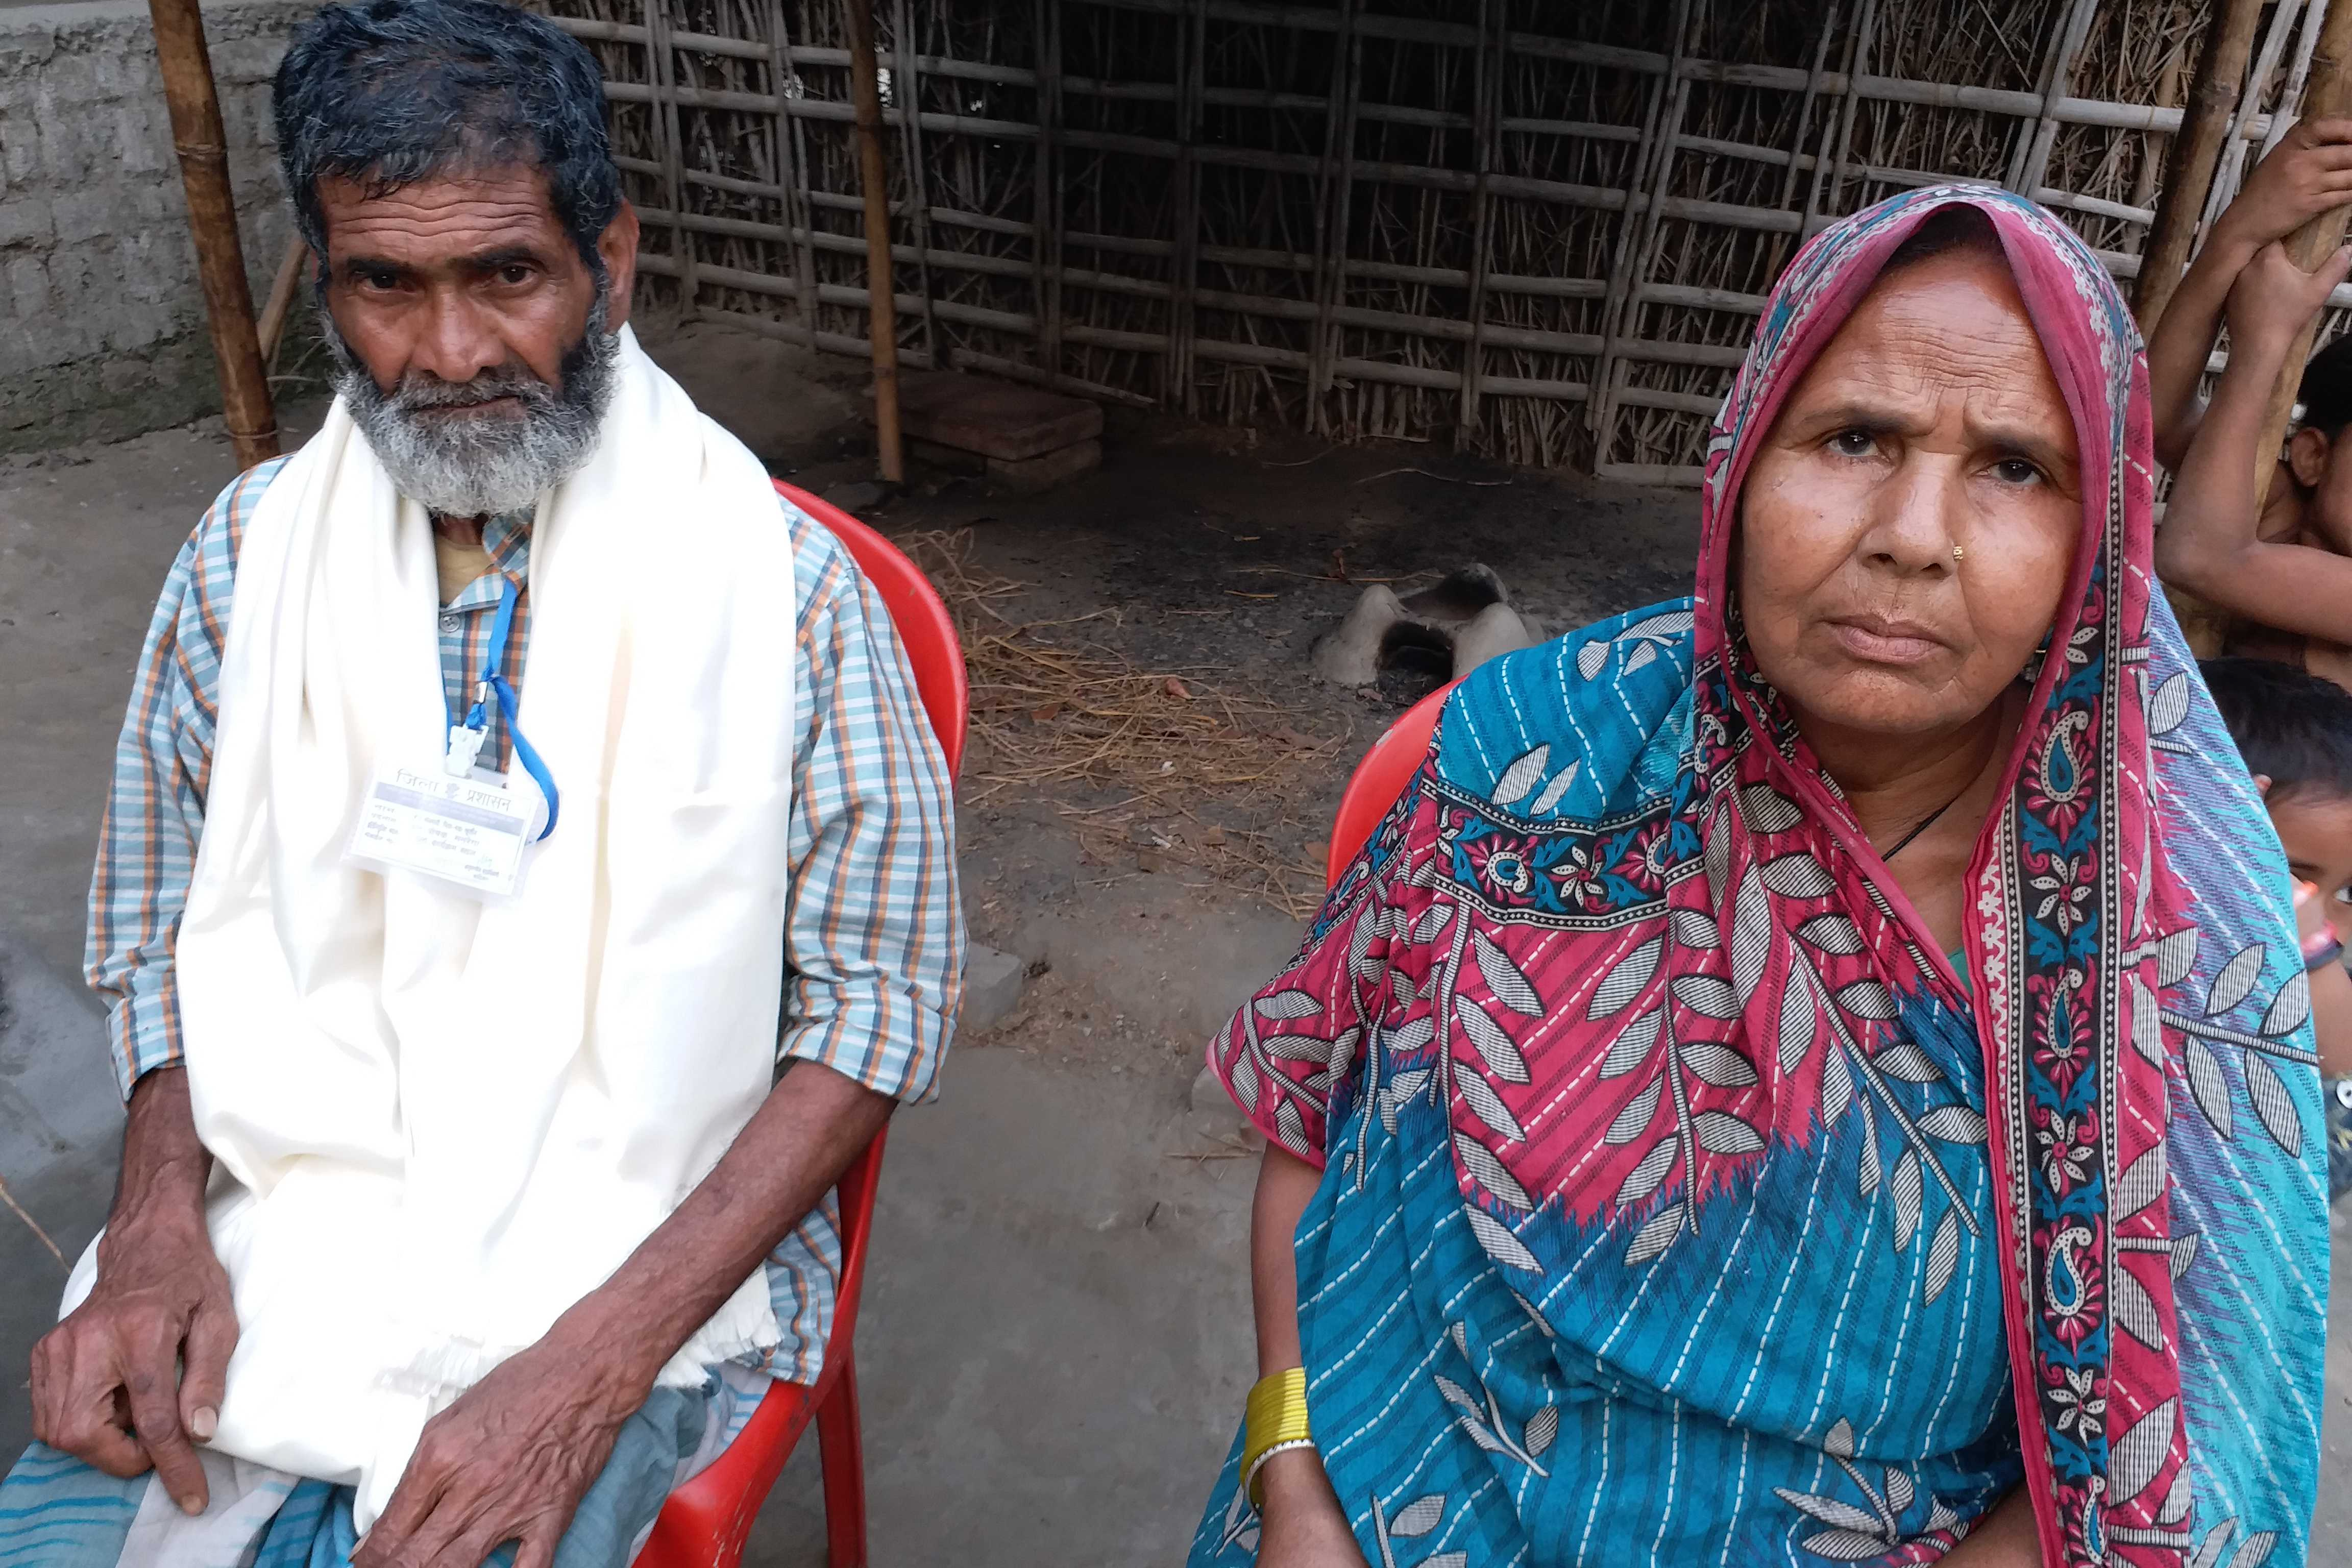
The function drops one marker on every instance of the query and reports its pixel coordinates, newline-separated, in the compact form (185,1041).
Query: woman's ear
(2263,786)
(2306,455)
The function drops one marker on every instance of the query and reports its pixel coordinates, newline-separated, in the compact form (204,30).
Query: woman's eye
(2016,471)
(2344,894)
(1853,443)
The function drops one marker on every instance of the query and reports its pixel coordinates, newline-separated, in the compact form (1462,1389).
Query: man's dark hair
(2325,392)
(389,92)
(2293,728)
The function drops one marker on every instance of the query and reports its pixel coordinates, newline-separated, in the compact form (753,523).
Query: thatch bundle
(1535,230)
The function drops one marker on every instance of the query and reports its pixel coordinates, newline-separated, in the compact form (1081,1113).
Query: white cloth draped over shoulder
(438,1123)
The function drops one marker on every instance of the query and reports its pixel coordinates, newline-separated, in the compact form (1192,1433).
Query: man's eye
(1854,443)
(514,273)
(2016,471)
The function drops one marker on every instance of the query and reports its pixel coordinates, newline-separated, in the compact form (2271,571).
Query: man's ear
(2306,455)
(2263,786)
(617,248)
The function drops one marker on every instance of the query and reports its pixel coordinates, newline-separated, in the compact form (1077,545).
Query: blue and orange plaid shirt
(874,940)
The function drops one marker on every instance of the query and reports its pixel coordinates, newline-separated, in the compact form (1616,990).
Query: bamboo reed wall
(1532,229)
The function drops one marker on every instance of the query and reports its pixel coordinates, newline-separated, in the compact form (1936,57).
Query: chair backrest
(1378,779)
(925,628)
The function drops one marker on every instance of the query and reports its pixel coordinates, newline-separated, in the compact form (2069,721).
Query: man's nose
(457,342)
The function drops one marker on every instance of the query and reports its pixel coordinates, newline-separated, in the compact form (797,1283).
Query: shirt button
(449,620)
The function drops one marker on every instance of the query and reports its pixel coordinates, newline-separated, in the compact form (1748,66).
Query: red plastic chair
(1378,779)
(705,1522)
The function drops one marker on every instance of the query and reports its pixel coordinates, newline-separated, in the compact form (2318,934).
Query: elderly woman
(1818,1071)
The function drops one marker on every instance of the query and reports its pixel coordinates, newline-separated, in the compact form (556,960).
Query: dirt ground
(1056,1338)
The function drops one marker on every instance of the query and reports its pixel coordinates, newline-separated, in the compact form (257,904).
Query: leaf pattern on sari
(2206,1038)
(1848,1534)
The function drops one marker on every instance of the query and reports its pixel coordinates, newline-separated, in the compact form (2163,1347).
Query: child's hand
(2308,172)
(2272,298)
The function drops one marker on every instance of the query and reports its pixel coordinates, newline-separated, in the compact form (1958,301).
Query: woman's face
(1906,531)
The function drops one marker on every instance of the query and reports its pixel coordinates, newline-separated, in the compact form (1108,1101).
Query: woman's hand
(2272,299)
(2308,172)
(1302,1524)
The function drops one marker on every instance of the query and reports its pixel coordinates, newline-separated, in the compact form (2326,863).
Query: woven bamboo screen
(1533,229)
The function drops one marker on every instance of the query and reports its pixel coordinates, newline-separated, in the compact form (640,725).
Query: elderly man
(463,1204)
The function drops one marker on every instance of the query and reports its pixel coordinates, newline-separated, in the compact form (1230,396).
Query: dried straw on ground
(1535,230)
(1203,781)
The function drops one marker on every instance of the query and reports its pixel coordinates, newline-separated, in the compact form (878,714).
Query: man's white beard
(478,465)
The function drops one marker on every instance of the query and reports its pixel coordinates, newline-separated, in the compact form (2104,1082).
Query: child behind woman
(2278,569)
(2295,731)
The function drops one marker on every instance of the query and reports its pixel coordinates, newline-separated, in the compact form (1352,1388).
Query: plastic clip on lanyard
(493,683)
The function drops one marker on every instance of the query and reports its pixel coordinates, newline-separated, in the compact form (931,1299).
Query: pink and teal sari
(1683,1204)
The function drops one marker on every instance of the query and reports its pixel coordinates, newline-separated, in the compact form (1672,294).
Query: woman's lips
(1876,641)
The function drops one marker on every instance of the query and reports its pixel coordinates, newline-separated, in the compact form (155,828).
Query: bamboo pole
(907,86)
(1488,90)
(874,177)
(282,289)
(2189,166)
(2326,93)
(1046,196)
(203,146)
(1337,193)
(791,159)
(2058,74)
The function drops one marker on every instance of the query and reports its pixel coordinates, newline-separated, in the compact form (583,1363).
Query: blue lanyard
(493,683)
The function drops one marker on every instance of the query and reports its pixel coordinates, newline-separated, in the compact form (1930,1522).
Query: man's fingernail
(203,1422)
(192,1504)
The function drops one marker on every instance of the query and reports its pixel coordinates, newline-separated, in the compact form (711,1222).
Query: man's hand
(1302,1524)
(136,1371)
(513,1457)
(2273,298)
(508,1461)
(2306,173)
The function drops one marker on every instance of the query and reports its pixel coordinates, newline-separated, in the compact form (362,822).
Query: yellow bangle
(1276,1423)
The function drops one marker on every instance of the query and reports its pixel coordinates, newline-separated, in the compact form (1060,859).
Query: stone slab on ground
(997,419)
(1028,475)
(992,980)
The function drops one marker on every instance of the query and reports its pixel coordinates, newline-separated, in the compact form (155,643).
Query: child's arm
(2208,544)
(2308,172)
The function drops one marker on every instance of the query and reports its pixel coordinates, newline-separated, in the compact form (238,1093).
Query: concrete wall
(101,321)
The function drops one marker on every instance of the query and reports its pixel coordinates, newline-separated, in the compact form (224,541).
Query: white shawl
(440,1123)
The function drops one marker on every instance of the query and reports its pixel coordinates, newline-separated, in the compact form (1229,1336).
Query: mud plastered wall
(101,321)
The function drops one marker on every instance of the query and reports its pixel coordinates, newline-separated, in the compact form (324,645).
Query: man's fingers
(536,1547)
(204,1368)
(412,1503)
(155,1417)
(93,1435)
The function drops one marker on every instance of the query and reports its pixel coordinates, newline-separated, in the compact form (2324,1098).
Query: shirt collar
(506,539)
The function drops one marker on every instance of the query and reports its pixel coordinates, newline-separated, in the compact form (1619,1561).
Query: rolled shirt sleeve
(876,943)
(155,802)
